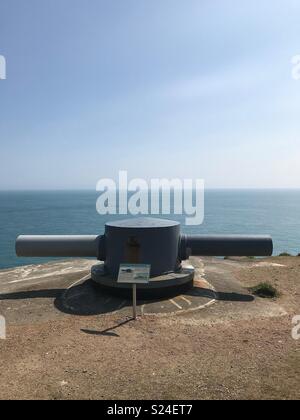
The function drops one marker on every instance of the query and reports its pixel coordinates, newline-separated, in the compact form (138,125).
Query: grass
(285,254)
(265,290)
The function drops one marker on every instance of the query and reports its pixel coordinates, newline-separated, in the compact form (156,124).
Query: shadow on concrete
(234,297)
(88,299)
(32,294)
(220,296)
(83,300)
(108,331)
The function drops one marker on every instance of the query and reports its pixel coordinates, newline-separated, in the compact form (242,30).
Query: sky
(160,88)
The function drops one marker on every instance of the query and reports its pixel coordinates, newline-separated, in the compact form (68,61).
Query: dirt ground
(237,347)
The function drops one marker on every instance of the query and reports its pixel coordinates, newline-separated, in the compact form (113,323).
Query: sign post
(134,274)
(134,301)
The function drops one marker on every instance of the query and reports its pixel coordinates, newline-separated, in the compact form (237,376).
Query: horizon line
(94,190)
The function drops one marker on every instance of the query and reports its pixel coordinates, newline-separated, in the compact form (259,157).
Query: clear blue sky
(171,88)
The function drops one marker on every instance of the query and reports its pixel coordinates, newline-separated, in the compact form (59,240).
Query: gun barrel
(226,245)
(58,246)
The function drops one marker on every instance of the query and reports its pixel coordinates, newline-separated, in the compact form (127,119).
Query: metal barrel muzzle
(58,246)
(225,245)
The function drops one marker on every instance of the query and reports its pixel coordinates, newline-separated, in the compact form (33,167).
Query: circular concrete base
(170,284)
(88,298)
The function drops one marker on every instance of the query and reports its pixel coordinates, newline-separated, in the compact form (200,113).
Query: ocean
(275,212)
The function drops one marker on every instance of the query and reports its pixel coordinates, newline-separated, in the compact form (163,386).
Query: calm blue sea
(74,212)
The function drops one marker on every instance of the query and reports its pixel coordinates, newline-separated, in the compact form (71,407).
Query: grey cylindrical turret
(142,241)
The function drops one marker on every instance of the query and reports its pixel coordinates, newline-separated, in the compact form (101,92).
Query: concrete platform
(36,293)
(50,291)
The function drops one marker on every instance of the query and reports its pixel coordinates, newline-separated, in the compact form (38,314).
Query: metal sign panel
(134,273)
